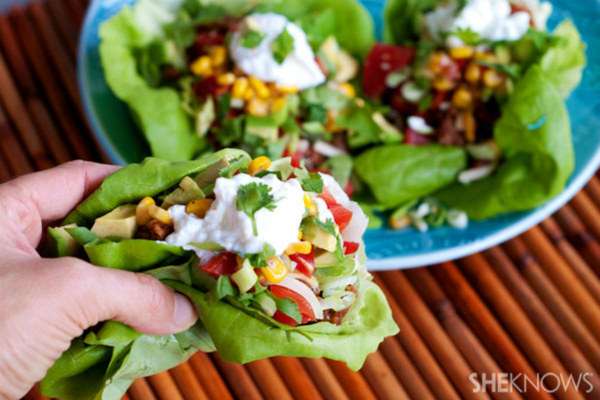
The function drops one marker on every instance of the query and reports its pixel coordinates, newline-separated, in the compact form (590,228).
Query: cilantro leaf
(224,287)
(259,260)
(252,197)
(312,183)
(467,36)
(251,38)
(282,46)
(289,308)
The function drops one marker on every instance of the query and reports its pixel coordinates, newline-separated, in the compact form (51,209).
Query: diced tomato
(438,98)
(206,87)
(284,318)
(224,263)
(381,61)
(341,216)
(412,137)
(349,188)
(350,247)
(303,305)
(209,38)
(328,198)
(305,263)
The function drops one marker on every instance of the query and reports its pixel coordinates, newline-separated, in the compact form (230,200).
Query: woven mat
(530,306)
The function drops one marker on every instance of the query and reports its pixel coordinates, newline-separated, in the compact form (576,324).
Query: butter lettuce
(534,135)
(102,363)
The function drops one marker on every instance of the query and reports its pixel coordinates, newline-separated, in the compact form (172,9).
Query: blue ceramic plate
(386,249)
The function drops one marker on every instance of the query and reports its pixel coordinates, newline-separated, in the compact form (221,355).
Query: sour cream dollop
(232,229)
(490,19)
(299,69)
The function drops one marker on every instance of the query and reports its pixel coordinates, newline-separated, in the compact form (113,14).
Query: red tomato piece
(381,61)
(224,263)
(206,87)
(350,247)
(412,137)
(305,263)
(349,188)
(328,198)
(284,318)
(341,216)
(303,305)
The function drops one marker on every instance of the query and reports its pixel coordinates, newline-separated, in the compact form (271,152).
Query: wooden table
(531,305)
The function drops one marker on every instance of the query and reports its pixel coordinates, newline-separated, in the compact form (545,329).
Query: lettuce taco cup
(271,255)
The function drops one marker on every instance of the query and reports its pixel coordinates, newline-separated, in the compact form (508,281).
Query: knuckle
(157,296)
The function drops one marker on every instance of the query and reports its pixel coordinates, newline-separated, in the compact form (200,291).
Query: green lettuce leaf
(148,178)
(534,135)
(402,20)
(131,254)
(563,62)
(165,124)
(400,173)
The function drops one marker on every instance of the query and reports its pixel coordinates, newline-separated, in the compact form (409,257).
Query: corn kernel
(226,79)
(485,56)
(473,73)
(240,87)
(399,223)
(202,66)
(257,107)
(198,207)
(435,62)
(218,55)
(259,164)
(287,89)
(160,214)
(462,98)
(276,270)
(469,124)
(348,89)
(142,214)
(461,52)
(310,205)
(491,78)
(278,104)
(442,84)
(261,90)
(299,248)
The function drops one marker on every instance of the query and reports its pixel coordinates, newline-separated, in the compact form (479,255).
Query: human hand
(45,303)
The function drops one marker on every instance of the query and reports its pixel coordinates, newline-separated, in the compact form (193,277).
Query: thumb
(142,302)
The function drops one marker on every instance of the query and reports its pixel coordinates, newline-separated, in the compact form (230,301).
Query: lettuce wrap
(315,299)
(482,110)
(152,54)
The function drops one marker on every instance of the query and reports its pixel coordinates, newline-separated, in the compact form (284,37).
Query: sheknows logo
(504,382)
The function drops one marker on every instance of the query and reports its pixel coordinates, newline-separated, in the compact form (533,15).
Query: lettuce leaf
(534,135)
(167,127)
(402,20)
(400,173)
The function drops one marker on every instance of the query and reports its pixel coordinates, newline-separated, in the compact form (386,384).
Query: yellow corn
(485,56)
(202,66)
(259,164)
(299,248)
(442,84)
(435,62)
(461,52)
(300,235)
(462,98)
(257,107)
(310,206)
(287,89)
(278,104)
(240,87)
(399,223)
(491,79)
(260,88)
(473,73)
(276,270)
(469,123)
(142,211)
(348,89)
(160,214)
(218,55)
(226,79)
(198,207)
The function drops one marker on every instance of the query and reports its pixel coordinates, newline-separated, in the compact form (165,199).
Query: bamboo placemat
(529,306)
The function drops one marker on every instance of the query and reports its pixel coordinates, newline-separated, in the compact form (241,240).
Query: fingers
(139,301)
(56,191)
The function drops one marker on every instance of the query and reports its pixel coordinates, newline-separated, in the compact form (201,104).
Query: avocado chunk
(326,259)
(210,174)
(319,237)
(262,127)
(119,223)
(187,191)
(62,244)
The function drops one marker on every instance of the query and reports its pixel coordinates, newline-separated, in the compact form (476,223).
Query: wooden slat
(187,383)
(354,384)
(296,378)
(69,32)
(268,380)
(239,380)
(381,378)
(329,387)
(209,377)
(164,386)
(140,390)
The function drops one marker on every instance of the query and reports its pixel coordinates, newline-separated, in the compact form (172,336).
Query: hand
(45,303)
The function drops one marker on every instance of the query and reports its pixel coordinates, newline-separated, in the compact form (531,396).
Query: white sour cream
(232,229)
(299,68)
(491,19)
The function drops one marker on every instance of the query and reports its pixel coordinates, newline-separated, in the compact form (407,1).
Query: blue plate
(386,249)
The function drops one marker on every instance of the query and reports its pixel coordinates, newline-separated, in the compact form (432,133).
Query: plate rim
(532,218)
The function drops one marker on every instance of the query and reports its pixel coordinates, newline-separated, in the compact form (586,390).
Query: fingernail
(185,314)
